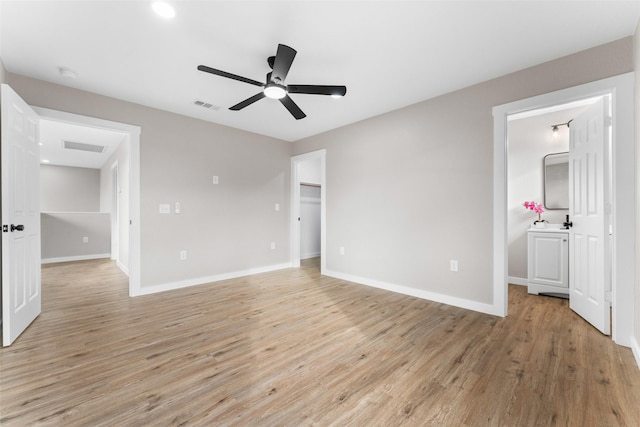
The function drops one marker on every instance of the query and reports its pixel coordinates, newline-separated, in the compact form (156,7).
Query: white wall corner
(492,309)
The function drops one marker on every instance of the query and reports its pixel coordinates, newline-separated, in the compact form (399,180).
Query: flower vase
(538,224)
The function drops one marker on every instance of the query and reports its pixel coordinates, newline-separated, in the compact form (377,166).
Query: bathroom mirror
(556,181)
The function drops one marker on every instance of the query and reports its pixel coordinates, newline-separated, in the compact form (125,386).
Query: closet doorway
(308,208)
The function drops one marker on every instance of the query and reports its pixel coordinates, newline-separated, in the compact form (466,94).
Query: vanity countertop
(550,228)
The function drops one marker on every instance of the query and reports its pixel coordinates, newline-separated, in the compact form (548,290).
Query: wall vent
(70,145)
(206,105)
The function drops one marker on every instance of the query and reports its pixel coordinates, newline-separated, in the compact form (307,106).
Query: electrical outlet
(273,245)
(164,208)
(183,255)
(341,250)
(215,180)
(177,207)
(453,265)
(277,207)
(85,239)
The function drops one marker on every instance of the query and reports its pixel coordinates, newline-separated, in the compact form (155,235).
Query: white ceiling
(54,133)
(389,54)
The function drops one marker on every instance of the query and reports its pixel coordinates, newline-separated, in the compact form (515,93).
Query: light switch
(273,245)
(177,207)
(277,207)
(164,208)
(341,250)
(215,179)
(85,239)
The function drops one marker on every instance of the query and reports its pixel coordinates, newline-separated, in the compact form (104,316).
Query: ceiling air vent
(70,145)
(206,105)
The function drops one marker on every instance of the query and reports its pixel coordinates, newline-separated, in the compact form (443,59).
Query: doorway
(531,138)
(131,245)
(620,88)
(307,168)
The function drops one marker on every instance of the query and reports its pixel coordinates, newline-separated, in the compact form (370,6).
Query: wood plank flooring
(292,348)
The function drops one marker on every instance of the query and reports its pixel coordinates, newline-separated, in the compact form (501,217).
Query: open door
(21,296)
(590,210)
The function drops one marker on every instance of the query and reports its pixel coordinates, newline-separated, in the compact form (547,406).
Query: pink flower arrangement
(536,207)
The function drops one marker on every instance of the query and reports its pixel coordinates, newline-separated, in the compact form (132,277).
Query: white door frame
(295,206)
(115,213)
(623,196)
(133,139)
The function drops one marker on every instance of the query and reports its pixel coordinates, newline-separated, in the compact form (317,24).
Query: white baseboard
(123,267)
(517,281)
(146,290)
(311,255)
(74,258)
(419,293)
(635,348)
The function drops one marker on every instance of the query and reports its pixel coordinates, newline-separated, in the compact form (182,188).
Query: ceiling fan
(275,86)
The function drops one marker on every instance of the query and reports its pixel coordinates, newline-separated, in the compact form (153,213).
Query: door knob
(567,224)
(19,227)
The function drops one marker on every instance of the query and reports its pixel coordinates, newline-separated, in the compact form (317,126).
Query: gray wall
(63,233)
(224,228)
(410,190)
(69,189)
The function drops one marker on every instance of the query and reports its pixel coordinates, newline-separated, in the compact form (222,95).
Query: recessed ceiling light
(163,9)
(67,72)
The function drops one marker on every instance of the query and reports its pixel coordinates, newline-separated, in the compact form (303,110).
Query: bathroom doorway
(620,88)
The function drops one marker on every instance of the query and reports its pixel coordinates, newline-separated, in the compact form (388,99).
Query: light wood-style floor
(292,348)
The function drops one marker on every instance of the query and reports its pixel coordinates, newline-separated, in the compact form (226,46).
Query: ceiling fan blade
(293,108)
(282,62)
(228,75)
(317,89)
(239,106)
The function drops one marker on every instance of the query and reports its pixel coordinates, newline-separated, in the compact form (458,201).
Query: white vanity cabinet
(548,263)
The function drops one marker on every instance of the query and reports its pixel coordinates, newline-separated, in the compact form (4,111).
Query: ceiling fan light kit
(275,88)
(275,91)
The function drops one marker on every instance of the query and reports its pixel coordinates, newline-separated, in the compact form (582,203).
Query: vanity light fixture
(555,128)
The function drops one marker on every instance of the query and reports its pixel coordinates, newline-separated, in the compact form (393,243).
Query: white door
(20,216)
(589,207)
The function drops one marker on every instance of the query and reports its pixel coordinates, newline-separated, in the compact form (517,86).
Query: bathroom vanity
(548,260)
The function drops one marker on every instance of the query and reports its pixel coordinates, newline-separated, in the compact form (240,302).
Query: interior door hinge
(5,228)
